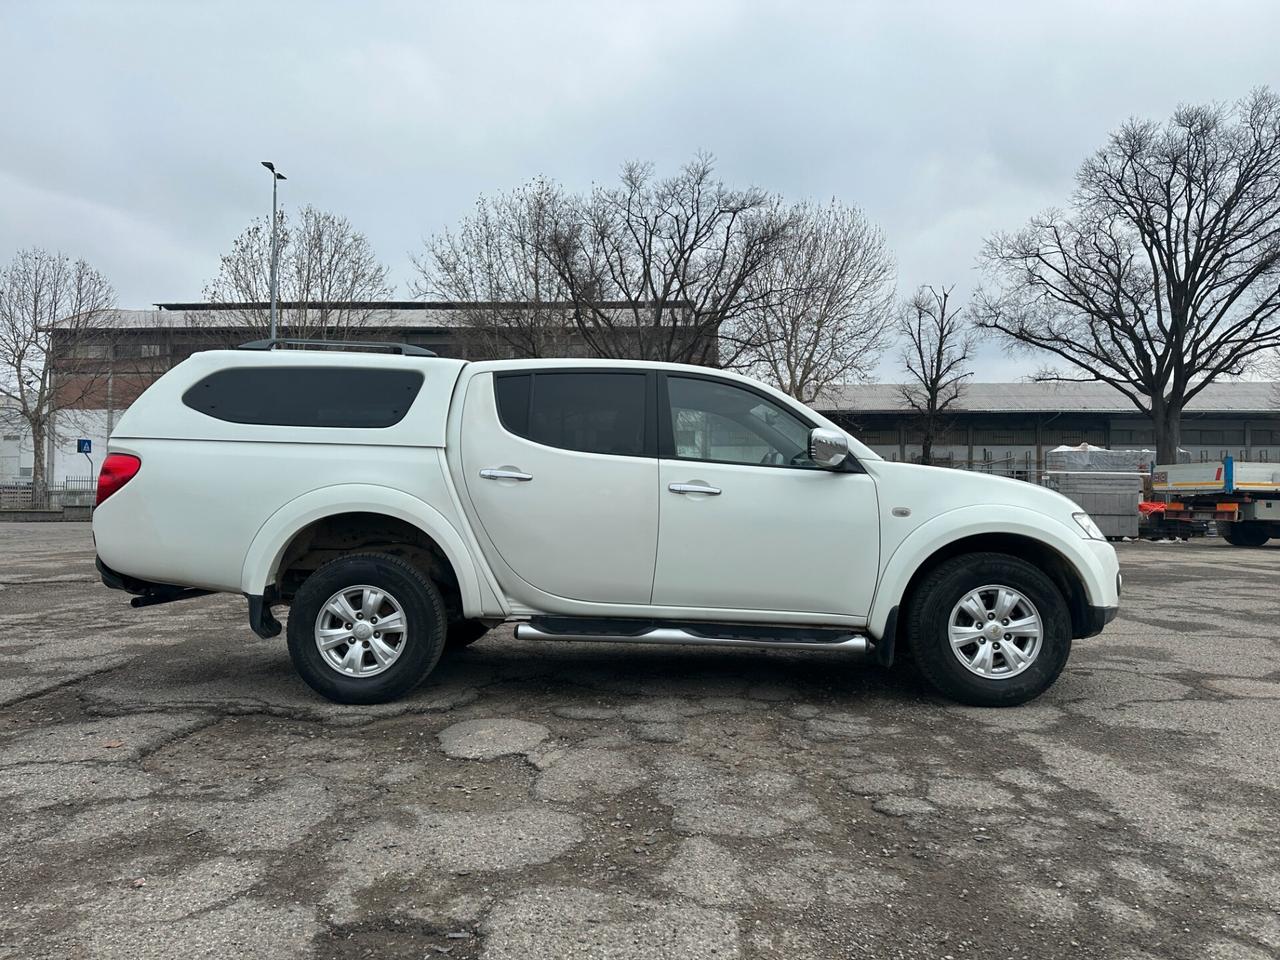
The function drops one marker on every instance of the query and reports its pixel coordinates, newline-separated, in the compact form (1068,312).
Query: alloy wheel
(361,631)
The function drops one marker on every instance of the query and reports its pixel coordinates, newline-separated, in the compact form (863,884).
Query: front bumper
(1096,618)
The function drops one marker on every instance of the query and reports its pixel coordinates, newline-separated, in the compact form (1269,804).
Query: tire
(380,677)
(463,633)
(1245,534)
(935,606)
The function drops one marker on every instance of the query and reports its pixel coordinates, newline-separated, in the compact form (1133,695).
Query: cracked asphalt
(168,788)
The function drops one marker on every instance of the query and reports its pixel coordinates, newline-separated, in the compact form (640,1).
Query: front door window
(719,422)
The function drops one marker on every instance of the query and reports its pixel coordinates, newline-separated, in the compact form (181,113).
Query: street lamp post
(276,177)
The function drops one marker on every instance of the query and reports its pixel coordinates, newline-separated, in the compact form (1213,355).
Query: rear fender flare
(263,558)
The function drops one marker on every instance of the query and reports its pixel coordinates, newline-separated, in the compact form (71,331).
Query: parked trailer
(1242,498)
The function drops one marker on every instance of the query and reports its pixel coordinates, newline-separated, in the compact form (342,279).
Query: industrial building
(1002,428)
(1007,427)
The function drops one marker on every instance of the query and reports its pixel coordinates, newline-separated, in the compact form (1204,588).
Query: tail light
(117,470)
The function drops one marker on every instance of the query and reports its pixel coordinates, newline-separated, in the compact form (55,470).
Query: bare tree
(326,265)
(820,305)
(1271,370)
(54,346)
(1163,275)
(495,262)
(660,269)
(938,345)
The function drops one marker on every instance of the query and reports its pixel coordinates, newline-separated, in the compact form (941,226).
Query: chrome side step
(679,636)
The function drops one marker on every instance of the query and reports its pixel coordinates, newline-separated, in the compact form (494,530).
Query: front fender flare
(947,528)
(269,543)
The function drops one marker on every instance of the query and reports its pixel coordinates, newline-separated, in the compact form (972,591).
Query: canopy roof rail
(404,349)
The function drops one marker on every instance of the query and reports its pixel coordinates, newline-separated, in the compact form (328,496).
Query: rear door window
(307,396)
(586,411)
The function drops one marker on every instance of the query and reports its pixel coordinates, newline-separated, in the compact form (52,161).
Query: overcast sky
(133,131)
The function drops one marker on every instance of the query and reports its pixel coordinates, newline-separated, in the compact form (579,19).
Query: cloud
(133,130)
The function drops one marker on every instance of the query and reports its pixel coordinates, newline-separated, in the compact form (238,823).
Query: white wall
(16,454)
(15,445)
(70,426)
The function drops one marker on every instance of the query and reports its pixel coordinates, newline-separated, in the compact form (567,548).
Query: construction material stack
(1106,483)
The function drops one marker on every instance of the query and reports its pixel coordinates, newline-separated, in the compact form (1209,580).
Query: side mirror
(828,448)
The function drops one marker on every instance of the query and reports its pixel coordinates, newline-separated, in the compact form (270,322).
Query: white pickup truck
(401,503)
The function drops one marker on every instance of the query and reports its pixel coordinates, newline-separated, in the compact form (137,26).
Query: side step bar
(705,635)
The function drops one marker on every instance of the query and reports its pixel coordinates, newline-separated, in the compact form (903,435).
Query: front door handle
(505,473)
(699,487)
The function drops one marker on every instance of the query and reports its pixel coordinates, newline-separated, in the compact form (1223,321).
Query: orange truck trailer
(1242,498)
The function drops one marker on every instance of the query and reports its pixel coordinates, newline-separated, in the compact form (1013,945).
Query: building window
(1132,436)
(1007,436)
(129,351)
(89,351)
(1074,436)
(1212,436)
(884,436)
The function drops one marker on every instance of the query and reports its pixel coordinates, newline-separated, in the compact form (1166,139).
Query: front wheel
(366,628)
(989,630)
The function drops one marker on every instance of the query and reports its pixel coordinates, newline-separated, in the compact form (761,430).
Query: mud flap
(261,620)
(883,648)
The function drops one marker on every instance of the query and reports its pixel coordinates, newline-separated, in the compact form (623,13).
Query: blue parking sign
(84,446)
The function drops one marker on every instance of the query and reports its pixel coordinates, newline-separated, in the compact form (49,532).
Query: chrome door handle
(694,488)
(502,473)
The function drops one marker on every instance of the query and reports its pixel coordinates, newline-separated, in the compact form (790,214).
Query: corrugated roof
(396,315)
(412,318)
(424,305)
(1023,397)
(884,398)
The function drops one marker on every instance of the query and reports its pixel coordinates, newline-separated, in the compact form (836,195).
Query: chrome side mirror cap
(828,448)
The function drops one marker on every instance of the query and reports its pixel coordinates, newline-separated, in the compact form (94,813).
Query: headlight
(1091,529)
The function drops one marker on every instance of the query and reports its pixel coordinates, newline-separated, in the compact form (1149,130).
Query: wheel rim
(995,632)
(361,631)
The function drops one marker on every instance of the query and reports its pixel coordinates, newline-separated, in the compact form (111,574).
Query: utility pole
(276,177)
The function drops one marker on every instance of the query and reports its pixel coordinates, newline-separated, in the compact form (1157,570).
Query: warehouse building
(102,373)
(1006,428)
(1003,428)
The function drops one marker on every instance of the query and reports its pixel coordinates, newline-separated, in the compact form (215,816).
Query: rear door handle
(706,488)
(504,473)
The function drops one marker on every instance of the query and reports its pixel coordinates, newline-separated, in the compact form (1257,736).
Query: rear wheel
(989,630)
(1245,534)
(366,628)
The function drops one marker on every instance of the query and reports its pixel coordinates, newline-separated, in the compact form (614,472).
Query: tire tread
(392,684)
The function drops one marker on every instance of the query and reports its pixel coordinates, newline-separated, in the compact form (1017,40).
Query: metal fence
(1025,467)
(72,492)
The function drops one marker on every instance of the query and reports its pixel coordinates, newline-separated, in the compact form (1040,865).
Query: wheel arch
(1061,559)
(357,516)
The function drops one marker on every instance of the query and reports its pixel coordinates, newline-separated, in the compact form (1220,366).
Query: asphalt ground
(169,788)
